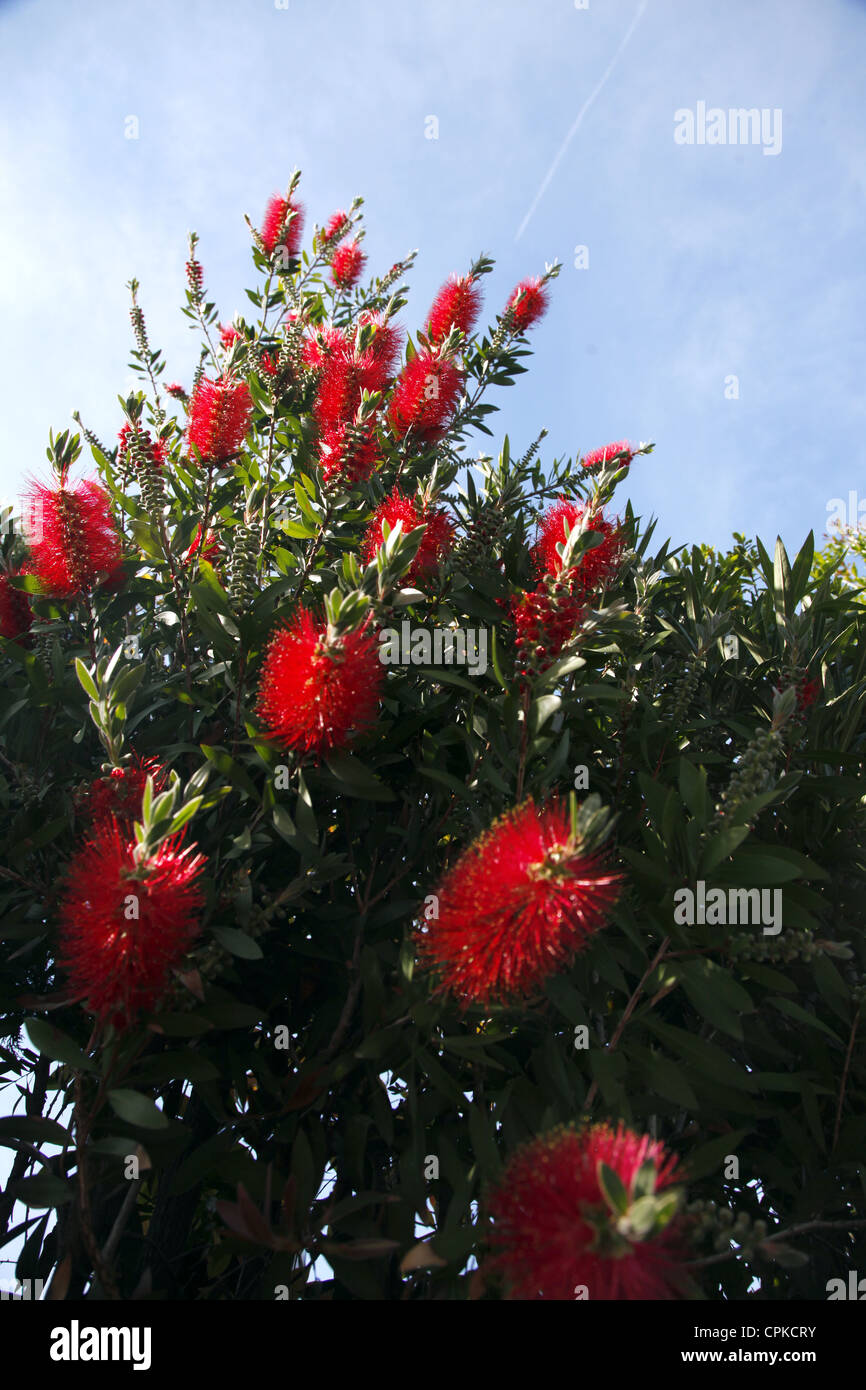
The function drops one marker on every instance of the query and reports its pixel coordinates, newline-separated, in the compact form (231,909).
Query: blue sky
(705,261)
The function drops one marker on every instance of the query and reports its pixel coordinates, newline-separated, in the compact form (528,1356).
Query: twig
(780,1235)
(629,1010)
(844,1081)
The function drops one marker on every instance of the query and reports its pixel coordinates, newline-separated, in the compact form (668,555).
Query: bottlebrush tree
(332,976)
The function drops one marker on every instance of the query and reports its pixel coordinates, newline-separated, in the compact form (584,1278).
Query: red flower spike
(275,215)
(609,451)
(79,544)
(438,538)
(529,301)
(175,389)
(553,1232)
(335,227)
(229,335)
(219,416)
(595,567)
(347,264)
(123,925)
(377,363)
(350,455)
(516,908)
(119,793)
(425,397)
(212,550)
(16,619)
(457,304)
(314,694)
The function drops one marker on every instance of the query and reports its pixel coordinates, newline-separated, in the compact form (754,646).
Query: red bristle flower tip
(595,567)
(118,794)
(437,541)
(175,389)
(598,457)
(378,360)
(555,1235)
(335,227)
(211,552)
(76,543)
(347,264)
(516,908)
(349,454)
(229,335)
(125,924)
(425,397)
(528,303)
(457,305)
(275,216)
(16,619)
(317,692)
(219,417)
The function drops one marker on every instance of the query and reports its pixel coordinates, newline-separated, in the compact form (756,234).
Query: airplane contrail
(580,115)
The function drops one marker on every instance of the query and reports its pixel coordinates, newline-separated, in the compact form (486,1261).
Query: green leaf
(229,769)
(613,1189)
(50,1042)
(33,1129)
(137,1109)
(356,778)
(85,680)
(43,1190)
(238,943)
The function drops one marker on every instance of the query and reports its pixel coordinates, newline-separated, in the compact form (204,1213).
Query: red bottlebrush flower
(275,215)
(339,391)
(219,416)
(349,454)
(609,451)
(119,793)
(211,551)
(336,225)
(425,397)
(554,1233)
(123,925)
(807,693)
(457,304)
(438,538)
(16,618)
(347,264)
(516,907)
(79,544)
(268,364)
(529,302)
(315,693)
(115,581)
(594,567)
(378,361)
(176,390)
(229,335)
(543,623)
